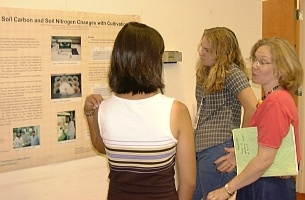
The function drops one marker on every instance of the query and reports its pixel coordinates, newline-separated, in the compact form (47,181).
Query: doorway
(279,19)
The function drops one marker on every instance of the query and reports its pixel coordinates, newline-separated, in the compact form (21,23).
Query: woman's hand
(92,102)
(227,162)
(219,194)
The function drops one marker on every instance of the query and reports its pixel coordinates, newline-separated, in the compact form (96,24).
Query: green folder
(246,147)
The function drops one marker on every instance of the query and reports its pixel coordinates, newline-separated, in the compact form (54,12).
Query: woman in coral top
(275,65)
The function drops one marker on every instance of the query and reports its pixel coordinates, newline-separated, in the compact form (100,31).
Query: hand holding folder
(246,147)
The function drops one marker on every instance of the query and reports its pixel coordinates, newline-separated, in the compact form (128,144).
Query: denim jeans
(268,188)
(208,178)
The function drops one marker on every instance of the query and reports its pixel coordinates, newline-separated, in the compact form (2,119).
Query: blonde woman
(222,90)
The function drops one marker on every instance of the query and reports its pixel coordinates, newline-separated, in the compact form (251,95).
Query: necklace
(259,102)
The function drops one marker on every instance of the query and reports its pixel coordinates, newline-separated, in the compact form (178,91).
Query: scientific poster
(49,62)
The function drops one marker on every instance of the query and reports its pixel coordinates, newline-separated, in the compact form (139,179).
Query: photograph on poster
(66,126)
(65,50)
(26,136)
(65,86)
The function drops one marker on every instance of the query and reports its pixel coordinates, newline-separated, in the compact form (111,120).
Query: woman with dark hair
(141,130)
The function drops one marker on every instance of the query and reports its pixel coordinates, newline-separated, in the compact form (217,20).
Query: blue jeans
(208,178)
(269,188)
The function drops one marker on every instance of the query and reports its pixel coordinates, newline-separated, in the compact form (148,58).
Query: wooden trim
(300,196)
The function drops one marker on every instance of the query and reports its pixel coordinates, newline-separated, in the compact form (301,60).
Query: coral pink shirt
(273,118)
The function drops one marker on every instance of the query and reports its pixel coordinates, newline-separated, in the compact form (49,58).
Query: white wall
(181,23)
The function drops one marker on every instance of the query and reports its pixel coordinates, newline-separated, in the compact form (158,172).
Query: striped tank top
(140,147)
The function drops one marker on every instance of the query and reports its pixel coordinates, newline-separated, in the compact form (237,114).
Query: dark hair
(136,60)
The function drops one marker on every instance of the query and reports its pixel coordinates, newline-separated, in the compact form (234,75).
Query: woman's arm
(91,111)
(181,127)
(253,171)
(248,101)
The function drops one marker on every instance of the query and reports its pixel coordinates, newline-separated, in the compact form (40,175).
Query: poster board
(49,62)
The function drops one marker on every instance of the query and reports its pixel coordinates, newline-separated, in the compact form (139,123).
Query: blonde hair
(287,64)
(226,52)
